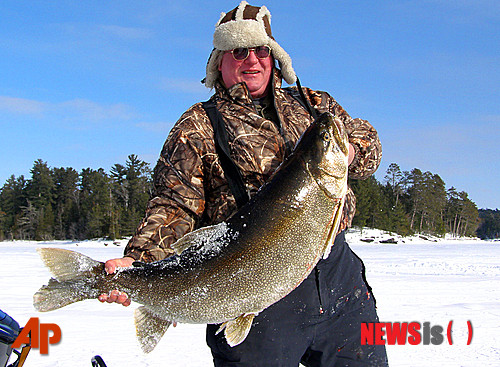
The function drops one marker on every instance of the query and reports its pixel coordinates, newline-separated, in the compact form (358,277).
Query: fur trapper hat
(246,26)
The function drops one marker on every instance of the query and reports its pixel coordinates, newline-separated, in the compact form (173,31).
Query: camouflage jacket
(190,190)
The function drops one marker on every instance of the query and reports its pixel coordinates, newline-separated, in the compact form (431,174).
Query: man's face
(253,71)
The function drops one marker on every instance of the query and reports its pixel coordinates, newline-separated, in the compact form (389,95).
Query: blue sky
(86,83)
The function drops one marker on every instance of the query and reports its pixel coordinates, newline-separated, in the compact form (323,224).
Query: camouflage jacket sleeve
(177,201)
(362,136)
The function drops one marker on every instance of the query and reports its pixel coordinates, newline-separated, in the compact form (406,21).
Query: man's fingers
(121,298)
(111,265)
(115,296)
(103,297)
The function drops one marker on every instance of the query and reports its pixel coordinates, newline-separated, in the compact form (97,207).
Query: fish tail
(75,279)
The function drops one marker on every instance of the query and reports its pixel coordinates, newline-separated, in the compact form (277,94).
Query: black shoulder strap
(232,173)
(298,94)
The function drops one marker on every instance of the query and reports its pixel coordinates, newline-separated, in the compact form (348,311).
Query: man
(318,324)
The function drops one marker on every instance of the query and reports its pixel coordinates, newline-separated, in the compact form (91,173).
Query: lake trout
(227,273)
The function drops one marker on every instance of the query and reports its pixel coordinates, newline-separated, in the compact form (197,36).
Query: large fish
(227,273)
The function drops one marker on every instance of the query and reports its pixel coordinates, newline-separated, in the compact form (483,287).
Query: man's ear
(220,63)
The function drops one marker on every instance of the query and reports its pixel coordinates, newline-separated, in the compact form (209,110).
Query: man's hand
(116,296)
(351,154)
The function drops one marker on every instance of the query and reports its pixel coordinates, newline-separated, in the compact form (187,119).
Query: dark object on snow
(426,238)
(367,240)
(97,361)
(390,240)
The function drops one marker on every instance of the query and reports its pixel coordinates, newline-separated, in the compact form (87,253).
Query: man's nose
(252,58)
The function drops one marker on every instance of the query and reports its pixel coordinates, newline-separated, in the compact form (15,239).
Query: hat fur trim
(242,33)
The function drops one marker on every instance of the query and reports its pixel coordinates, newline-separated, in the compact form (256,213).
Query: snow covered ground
(415,279)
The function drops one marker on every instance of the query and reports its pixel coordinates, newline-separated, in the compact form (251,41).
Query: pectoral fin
(334,229)
(196,238)
(237,330)
(149,328)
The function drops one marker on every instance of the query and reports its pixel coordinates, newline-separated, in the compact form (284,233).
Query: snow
(416,279)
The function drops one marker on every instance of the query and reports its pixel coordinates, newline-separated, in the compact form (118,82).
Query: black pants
(318,324)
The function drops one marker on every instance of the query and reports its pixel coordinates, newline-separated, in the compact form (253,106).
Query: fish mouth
(324,185)
(330,174)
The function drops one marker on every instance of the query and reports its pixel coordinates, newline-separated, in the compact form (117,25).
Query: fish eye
(325,135)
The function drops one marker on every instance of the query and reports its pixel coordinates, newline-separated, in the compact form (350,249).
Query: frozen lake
(418,280)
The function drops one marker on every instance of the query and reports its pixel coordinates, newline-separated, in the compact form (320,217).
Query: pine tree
(40,193)
(462,216)
(95,203)
(67,202)
(394,189)
(12,198)
(369,207)
(28,222)
(131,186)
(395,179)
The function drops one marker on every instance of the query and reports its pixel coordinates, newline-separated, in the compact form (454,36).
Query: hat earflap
(213,72)
(284,61)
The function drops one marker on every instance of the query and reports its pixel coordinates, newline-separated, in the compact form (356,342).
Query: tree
(95,203)
(40,193)
(369,208)
(29,222)
(12,198)
(396,219)
(131,186)
(462,216)
(436,204)
(470,216)
(427,200)
(395,180)
(67,200)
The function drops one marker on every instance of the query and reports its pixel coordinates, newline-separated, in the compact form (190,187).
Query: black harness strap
(298,94)
(232,173)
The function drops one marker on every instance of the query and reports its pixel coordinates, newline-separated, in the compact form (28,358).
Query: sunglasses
(241,53)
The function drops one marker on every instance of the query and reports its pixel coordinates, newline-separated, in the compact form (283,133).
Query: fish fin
(75,276)
(149,328)
(237,330)
(334,229)
(196,238)
(66,265)
(183,243)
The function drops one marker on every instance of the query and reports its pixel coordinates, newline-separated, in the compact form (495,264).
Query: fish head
(324,148)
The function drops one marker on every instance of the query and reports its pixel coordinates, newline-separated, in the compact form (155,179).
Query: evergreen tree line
(490,224)
(409,202)
(61,203)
